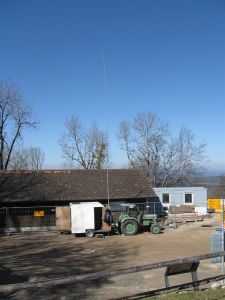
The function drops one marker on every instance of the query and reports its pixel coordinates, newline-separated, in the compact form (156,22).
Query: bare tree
(88,149)
(218,190)
(15,118)
(165,160)
(36,158)
(144,140)
(18,160)
(27,159)
(183,159)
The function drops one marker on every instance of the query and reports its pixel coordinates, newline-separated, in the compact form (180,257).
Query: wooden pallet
(192,219)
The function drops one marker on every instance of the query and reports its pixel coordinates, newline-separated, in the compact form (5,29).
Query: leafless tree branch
(165,160)
(88,149)
(15,117)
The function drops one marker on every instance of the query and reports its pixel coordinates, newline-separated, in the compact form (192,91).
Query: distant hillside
(210,182)
(207,180)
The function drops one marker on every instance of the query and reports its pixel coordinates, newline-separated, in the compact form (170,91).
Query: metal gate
(27,217)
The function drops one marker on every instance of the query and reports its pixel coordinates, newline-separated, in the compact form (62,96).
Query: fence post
(222,232)
(194,279)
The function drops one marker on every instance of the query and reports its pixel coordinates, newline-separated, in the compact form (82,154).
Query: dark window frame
(167,201)
(188,201)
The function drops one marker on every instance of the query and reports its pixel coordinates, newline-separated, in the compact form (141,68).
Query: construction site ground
(37,257)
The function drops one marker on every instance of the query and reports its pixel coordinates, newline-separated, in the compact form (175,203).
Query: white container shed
(83,216)
(170,196)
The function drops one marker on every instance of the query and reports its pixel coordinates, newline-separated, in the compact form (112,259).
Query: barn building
(40,200)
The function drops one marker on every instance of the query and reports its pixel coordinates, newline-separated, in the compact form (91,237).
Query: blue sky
(163,56)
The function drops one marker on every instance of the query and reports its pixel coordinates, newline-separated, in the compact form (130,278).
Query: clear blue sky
(166,57)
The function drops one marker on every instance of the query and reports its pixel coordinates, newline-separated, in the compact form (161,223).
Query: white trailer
(87,218)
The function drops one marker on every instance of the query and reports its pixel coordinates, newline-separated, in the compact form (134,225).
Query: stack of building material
(182,209)
(192,218)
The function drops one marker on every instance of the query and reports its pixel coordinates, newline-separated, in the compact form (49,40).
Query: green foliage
(101,156)
(211,294)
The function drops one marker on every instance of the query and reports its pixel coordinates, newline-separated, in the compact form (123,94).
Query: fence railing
(17,217)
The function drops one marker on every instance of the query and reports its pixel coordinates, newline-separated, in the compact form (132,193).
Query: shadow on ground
(39,257)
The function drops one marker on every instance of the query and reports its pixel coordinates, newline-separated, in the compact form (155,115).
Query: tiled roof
(72,185)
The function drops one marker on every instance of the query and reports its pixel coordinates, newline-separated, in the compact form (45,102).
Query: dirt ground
(40,256)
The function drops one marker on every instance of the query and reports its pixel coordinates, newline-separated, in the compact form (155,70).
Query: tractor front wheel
(155,229)
(129,227)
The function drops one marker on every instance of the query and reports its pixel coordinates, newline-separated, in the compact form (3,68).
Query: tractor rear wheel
(129,227)
(155,229)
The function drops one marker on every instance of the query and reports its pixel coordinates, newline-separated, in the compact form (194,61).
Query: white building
(182,196)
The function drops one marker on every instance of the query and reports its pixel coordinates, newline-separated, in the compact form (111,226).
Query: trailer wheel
(129,227)
(90,233)
(155,229)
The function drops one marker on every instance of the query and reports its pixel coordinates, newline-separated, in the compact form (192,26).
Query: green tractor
(131,221)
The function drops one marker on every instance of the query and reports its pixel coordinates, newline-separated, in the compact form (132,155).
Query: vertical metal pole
(174,214)
(222,231)
(107,183)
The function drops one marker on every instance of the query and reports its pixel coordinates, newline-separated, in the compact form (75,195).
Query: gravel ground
(40,256)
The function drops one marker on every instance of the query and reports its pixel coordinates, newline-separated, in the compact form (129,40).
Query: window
(188,198)
(165,198)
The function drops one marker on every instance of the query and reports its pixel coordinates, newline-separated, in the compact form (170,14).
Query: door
(63,220)
(98,218)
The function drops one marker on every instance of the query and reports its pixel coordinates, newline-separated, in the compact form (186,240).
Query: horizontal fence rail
(105,274)
(174,288)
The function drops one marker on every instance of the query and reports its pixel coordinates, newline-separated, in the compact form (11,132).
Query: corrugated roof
(73,185)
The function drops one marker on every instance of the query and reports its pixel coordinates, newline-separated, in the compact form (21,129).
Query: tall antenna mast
(107,125)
